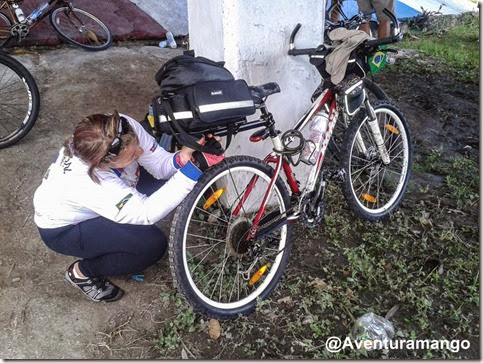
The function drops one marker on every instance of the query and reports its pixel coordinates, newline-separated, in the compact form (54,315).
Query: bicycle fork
(376,132)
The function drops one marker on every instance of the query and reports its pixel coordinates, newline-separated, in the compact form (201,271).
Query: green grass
(426,261)
(458,46)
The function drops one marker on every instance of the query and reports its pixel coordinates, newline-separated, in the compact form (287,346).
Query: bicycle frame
(326,99)
(6,4)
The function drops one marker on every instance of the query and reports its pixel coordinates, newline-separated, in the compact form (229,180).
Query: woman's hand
(186,152)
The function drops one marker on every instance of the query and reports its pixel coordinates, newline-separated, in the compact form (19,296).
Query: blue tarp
(410,8)
(403,11)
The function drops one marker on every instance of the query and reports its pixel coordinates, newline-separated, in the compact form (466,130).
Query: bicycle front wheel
(19,101)
(81,28)
(216,266)
(373,189)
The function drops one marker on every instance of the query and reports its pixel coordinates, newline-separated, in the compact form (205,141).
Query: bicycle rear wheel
(218,271)
(81,28)
(373,189)
(5,30)
(19,101)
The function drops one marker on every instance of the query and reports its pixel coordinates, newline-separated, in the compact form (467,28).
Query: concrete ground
(42,317)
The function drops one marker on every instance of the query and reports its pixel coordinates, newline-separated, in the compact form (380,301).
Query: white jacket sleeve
(157,161)
(116,201)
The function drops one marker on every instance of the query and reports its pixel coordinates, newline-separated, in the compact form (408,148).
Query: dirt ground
(43,318)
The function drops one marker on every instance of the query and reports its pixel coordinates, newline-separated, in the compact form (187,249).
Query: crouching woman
(100,198)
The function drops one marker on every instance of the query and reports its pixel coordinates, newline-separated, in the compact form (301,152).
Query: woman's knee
(154,243)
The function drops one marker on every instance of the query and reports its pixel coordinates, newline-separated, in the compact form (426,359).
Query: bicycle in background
(73,25)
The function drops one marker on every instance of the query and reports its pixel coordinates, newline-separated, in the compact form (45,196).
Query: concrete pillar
(252,37)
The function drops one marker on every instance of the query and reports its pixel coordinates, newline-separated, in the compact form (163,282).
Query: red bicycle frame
(281,163)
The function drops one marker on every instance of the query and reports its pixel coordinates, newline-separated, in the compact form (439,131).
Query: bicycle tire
(369,200)
(97,37)
(5,30)
(375,93)
(19,101)
(183,274)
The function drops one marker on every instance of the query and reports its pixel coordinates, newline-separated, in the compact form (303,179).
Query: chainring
(19,31)
(311,215)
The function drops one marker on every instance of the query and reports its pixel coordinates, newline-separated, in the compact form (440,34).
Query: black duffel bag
(198,95)
(187,70)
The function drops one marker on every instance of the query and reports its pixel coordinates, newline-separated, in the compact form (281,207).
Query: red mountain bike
(231,237)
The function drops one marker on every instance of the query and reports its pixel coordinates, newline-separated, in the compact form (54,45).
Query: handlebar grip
(383,41)
(306,51)
(294,32)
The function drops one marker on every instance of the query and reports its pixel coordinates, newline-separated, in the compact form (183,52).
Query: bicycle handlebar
(294,33)
(306,51)
(383,41)
(292,50)
(368,43)
(389,40)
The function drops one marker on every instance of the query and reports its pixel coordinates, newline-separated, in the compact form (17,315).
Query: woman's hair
(92,139)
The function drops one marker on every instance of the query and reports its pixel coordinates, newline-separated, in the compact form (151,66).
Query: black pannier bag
(198,95)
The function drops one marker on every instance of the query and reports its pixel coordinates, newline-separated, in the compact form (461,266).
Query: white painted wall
(252,37)
(172,15)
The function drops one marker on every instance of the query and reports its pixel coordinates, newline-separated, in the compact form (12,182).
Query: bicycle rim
(375,186)
(81,28)
(16,104)
(219,261)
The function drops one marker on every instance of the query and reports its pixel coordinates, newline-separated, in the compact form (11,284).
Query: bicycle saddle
(264,90)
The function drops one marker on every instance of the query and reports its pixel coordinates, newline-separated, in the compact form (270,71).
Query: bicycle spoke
(212,239)
(209,223)
(211,214)
(225,258)
(210,248)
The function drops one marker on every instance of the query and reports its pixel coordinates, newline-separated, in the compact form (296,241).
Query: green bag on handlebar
(378,60)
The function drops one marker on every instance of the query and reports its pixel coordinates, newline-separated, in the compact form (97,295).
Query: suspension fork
(376,132)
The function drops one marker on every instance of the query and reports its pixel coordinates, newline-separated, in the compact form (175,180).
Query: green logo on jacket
(123,201)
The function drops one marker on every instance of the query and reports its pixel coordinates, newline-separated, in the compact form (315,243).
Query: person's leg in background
(365,6)
(384,29)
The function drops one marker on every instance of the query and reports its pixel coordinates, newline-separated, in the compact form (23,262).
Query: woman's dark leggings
(109,248)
